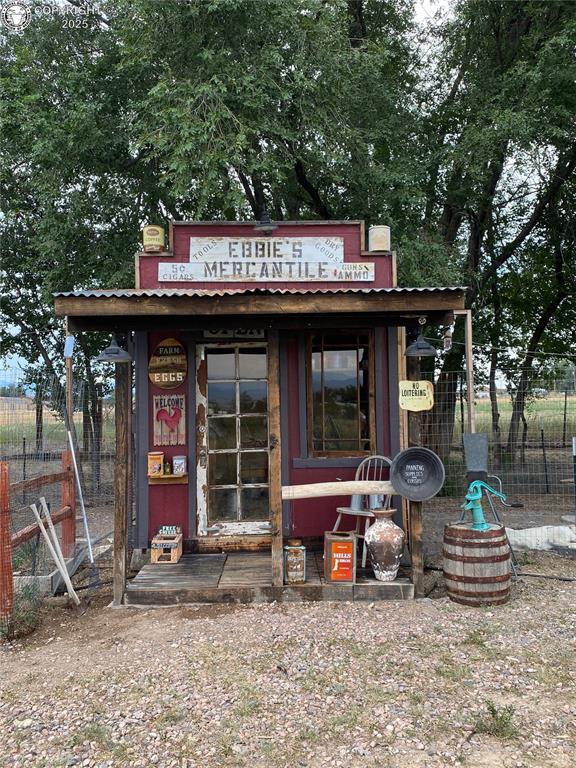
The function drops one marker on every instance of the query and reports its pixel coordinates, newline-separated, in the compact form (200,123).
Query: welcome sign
(270,259)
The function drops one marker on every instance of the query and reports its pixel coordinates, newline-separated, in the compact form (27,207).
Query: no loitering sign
(416,395)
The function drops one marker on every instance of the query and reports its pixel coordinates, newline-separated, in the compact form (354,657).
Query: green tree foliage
(459,135)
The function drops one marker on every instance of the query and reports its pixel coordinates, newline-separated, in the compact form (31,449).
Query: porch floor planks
(190,571)
(247,569)
(247,577)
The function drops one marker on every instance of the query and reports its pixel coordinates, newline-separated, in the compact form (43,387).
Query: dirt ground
(422,684)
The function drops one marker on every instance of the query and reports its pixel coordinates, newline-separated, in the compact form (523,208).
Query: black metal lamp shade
(265,226)
(420,348)
(114,354)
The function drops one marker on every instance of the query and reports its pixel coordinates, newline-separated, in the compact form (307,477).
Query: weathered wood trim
(275,432)
(191,447)
(303,395)
(394,414)
(379,389)
(251,224)
(416,551)
(123,395)
(216,544)
(258,304)
(375,427)
(38,482)
(68,499)
(6,577)
(142,441)
(285,431)
(402,418)
(201,441)
(339,488)
(137,271)
(198,323)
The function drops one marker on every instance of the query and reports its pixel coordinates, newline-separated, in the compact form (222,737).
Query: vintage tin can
(153,238)
(340,557)
(294,562)
(379,238)
(179,465)
(155,464)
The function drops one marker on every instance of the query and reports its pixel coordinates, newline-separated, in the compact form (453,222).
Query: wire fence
(35,441)
(532,463)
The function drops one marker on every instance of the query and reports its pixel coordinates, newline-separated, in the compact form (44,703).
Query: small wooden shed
(260,361)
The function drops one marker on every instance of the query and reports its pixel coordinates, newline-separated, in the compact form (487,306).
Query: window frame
(351,334)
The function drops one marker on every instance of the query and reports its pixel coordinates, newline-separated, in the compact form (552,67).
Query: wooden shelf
(169,480)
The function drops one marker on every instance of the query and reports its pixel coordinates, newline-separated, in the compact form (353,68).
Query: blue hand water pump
(474,503)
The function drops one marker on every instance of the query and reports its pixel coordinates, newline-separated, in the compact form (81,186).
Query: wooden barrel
(476,564)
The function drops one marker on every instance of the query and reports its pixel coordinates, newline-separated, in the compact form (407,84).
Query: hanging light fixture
(114,354)
(420,347)
(265,226)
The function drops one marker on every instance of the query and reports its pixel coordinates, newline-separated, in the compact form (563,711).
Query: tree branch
(564,169)
(306,184)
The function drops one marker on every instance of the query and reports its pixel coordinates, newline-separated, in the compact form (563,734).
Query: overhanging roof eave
(132,309)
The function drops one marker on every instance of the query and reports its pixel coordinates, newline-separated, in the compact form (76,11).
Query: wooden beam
(416,549)
(31,531)
(275,458)
(38,482)
(123,395)
(6,579)
(68,499)
(138,305)
(339,488)
(200,323)
(415,507)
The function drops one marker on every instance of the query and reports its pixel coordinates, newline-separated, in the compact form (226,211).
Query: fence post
(6,581)
(68,499)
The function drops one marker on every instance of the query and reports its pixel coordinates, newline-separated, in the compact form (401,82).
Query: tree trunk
(495,337)
(526,375)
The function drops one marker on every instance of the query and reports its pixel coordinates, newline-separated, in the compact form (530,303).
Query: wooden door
(232,439)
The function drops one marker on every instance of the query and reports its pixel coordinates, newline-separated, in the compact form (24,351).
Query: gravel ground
(304,685)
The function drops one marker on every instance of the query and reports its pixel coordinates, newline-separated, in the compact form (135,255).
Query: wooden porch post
(123,396)
(68,499)
(6,579)
(415,507)
(275,458)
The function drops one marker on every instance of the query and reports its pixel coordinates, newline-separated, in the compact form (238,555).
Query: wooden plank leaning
(340,488)
(58,558)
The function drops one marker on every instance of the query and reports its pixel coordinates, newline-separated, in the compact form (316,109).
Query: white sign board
(270,259)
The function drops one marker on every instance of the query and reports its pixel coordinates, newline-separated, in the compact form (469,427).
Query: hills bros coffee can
(340,557)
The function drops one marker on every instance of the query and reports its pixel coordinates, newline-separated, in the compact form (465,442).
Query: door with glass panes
(232,439)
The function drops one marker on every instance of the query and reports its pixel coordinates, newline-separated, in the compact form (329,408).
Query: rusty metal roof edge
(121,293)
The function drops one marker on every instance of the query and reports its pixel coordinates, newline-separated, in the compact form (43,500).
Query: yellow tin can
(153,238)
(155,464)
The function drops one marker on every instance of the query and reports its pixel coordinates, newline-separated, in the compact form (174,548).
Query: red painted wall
(168,503)
(353,252)
(312,517)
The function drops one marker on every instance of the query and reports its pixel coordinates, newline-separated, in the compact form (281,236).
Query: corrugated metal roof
(124,293)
